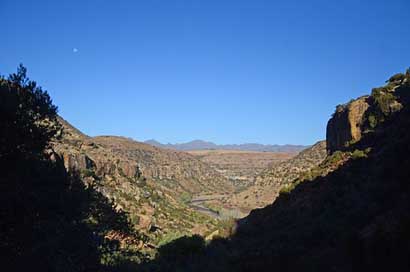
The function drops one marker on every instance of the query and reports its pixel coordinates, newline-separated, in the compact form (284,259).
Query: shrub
(141,182)
(372,121)
(169,237)
(357,154)
(287,189)
(227,227)
(186,197)
(383,99)
(396,77)
(334,158)
(212,207)
(88,173)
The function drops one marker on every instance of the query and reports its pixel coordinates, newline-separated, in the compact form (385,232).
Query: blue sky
(219,70)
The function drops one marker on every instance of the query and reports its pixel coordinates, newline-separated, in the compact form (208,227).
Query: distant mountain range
(204,145)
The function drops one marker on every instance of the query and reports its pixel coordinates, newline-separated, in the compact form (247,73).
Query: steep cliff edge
(346,124)
(362,115)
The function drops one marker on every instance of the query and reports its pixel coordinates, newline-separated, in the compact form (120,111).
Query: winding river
(198,203)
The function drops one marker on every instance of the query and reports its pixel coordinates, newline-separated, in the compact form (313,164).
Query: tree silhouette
(49,220)
(27,117)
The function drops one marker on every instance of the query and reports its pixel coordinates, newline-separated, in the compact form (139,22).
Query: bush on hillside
(357,154)
(383,100)
(396,77)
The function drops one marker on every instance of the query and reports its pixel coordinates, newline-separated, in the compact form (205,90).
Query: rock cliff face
(107,155)
(175,170)
(346,124)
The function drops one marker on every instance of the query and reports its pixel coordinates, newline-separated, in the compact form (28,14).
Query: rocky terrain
(172,169)
(153,186)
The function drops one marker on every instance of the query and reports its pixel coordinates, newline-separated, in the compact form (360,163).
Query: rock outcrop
(353,120)
(346,124)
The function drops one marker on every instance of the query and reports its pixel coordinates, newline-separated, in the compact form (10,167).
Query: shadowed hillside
(49,219)
(76,203)
(348,214)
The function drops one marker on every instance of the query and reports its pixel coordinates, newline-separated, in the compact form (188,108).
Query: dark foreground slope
(69,202)
(349,214)
(49,219)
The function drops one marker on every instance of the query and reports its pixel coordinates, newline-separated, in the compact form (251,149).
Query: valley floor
(213,206)
(240,167)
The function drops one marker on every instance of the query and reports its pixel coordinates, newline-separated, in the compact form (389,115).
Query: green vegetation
(169,237)
(383,99)
(397,77)
(226,227)
(212,207)
(186,197)
(358,154)
(372,120)
(287,188)
(334,159)
(88,173)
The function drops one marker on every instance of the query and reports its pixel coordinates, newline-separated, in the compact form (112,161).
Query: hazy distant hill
(204,145)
